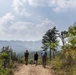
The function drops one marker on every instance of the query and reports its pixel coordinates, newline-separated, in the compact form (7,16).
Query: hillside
(21,46)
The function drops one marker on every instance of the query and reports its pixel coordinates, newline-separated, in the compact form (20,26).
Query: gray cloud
(56,5)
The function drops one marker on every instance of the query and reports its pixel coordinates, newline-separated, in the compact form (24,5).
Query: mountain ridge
(21,46)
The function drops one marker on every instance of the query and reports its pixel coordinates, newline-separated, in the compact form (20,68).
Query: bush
(31,61)
(56,64)
(74,70)
(65,65)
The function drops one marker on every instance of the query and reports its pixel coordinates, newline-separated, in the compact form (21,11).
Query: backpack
(44,54)
(26,54)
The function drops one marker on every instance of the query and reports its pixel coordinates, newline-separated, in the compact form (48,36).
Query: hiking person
(26,57)
(44,56)
(36,58)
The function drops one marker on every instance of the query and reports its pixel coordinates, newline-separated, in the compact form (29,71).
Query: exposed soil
(33,70)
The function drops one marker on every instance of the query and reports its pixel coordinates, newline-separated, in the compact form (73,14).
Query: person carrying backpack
(44,56)
(26,54)
(36,58)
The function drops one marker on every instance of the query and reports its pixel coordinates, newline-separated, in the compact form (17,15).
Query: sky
(28,20)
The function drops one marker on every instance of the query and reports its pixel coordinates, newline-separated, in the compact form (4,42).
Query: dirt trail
(33,70)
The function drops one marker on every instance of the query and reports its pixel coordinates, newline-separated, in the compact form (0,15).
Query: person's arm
(37,55)
(28,53)
(41,53)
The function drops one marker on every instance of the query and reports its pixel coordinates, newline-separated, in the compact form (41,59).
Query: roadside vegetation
(8,61)
(63,62)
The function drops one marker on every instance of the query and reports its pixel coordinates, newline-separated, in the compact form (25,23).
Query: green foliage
(74,70)
(7,59)
(72,34)
(63,35)
(72,30)
(31,61)
(65,62)
(55,64)
(65,65)
(50,40)
(4,56)
(6,72)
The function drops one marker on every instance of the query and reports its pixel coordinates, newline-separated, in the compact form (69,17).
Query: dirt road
(33,70)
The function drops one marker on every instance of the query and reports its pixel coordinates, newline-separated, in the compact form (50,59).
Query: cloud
(19,8)
(28,31)
(5,22)
(64,5)
(55,5)
(41,2)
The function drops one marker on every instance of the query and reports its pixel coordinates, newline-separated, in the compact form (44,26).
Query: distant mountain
(21,46)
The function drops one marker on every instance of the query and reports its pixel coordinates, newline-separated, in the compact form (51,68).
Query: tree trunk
(53,54)
(63,42)
(50,54)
